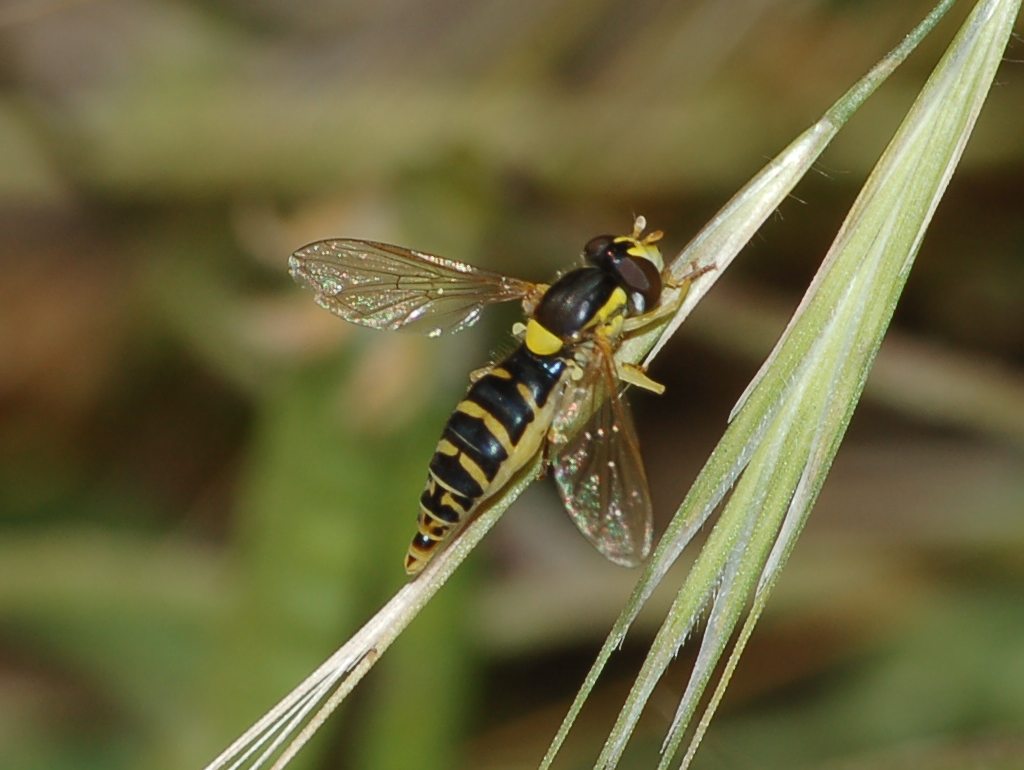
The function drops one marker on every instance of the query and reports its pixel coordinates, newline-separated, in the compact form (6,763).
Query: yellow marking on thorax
(541,341)
(496,429)
(608,318)
(613,328)
(501,373)
(616,302)
(446,447)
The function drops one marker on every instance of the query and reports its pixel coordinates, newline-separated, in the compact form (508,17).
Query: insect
(562,372)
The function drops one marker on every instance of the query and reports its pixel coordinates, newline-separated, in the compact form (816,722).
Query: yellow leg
(663,311)
(633,374)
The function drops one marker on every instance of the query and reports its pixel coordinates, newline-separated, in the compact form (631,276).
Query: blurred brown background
(207,482)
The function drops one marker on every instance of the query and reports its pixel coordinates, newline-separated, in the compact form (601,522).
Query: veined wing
(388,287)
(599,471)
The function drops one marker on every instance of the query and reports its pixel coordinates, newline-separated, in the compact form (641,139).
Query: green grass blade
(717,244)
(899,199)
(789,423)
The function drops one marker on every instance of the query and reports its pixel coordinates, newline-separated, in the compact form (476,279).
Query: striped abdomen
(494,432)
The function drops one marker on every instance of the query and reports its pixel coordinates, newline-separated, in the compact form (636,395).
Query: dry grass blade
(286,727)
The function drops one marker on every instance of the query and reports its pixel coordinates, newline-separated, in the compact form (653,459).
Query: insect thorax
(588,299)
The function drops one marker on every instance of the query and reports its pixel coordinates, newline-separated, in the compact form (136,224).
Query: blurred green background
(207,483)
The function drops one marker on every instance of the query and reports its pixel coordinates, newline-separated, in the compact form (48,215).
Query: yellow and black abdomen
(504,418)
(493,433)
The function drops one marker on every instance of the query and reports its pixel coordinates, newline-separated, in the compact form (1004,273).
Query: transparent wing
(388,287)
(599,471)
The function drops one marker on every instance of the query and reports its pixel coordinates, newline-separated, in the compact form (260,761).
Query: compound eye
(598,251)
(642,282)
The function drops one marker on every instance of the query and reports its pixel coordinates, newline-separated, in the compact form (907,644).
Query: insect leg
(686,279)
(633,374)
(662,311)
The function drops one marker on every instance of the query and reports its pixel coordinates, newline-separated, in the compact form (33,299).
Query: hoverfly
(562,371)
